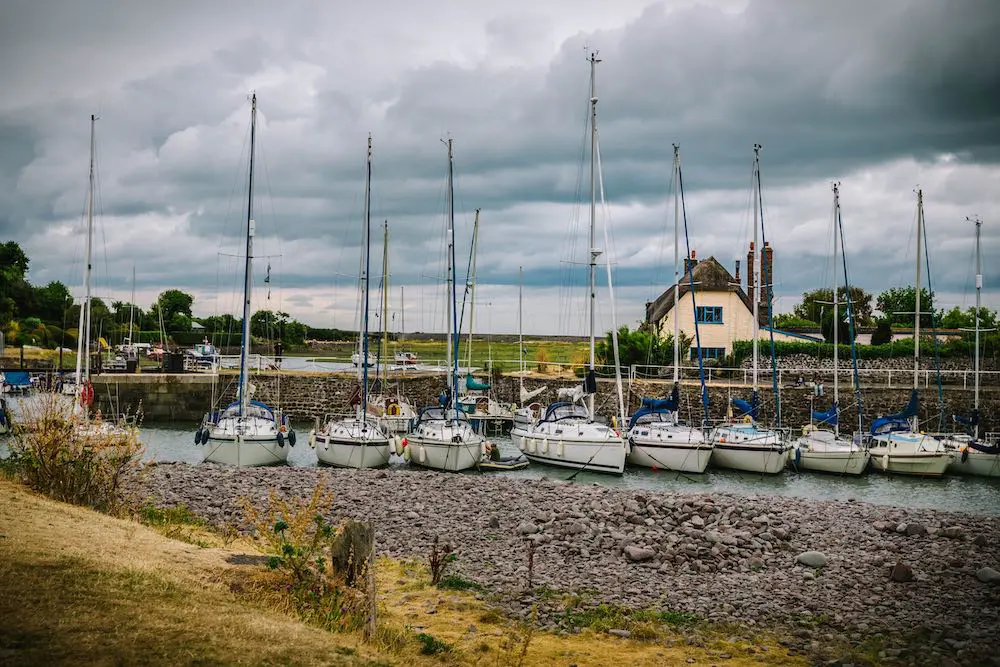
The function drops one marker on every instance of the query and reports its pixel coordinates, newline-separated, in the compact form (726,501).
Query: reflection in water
(976,495)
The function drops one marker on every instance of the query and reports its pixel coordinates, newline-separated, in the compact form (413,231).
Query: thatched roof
(709,276)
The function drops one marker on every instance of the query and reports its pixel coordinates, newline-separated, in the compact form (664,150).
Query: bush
(84,463)
(300,543)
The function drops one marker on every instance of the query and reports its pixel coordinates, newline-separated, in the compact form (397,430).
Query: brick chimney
(751,281)
(690,263)
(766,272)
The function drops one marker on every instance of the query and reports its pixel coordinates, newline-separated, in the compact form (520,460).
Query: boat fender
(291,438)
(197,437)
(281,439)
(312,438)
(562,448)
(397,445)
(422,455)
(484,449)
(798,456)
(531,445)
(205,434)
(407,452)
(965,455)
(521,443)
(885,462)
(545,445)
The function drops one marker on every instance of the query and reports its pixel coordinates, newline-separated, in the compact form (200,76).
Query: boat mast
(594,252)
(385,296)
(975,373)
(453,319)
(248,267)
(916,310)
(520,327)
(836,318)
(471,279)
(363,405)
(83,337)
(757,268)
(677,268)
(131,310)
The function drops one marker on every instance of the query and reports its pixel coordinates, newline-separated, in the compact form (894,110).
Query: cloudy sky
(884,97)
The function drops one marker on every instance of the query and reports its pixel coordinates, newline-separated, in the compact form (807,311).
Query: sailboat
(567,434)
(823,449)
(744,445)
(477,401)
(658,438)
(443,438)
(394,411)
(974,456)
(898,445)
(246,432)
(357,441)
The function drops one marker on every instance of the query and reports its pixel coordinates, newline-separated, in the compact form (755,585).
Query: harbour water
(975,495)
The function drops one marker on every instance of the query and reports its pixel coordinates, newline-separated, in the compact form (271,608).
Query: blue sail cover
(747,407)
(654,405)
(898,421)
(472,383)
(829,417)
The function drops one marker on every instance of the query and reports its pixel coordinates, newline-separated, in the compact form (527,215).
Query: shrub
(299,542)
(83,462)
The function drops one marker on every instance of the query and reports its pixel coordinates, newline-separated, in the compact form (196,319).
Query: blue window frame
(709,314)
(707,353)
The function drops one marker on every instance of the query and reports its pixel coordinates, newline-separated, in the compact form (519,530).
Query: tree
(640,347)
(899,303)
(174,302)
(16,295)
(818,302)
(52,303)
(956,318)
(843,328)
(883,332)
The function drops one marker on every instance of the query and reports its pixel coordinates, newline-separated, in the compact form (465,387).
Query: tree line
(46,315)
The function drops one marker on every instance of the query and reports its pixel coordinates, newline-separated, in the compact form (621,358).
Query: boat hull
(446,456)
(351,453)
(976,463)
(768,459)
(682,457)
(839,463)
(245,450)
(604,455)
(903,453)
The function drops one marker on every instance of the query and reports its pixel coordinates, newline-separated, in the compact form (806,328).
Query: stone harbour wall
(310,396)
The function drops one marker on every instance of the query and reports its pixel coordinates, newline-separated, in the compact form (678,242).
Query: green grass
(455,582)
(643,624)
(431,645)
(503,353)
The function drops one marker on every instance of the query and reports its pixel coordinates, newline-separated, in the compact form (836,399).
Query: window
(709,314)
(707,353)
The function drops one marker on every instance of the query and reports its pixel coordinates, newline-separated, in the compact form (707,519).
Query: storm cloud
(883,97)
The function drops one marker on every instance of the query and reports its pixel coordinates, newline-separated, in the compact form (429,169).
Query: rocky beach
(915,586)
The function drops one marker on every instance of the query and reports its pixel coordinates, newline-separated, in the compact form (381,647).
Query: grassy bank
(79,587)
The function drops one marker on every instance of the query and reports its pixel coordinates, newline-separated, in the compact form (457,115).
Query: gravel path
(722,557)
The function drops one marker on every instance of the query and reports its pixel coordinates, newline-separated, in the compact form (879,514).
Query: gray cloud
(873,95)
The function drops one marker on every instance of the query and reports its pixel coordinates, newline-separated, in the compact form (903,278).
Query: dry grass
(78,587)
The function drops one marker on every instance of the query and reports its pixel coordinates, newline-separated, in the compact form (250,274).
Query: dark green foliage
(640,347)
(819,302)
(899,303)
(431,645)
(883,332)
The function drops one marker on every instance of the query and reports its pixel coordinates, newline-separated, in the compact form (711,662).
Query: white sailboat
(357,441)
(477,400)
(744,445)
(394,411)
(443,438)
(975,456)
(658,438)
(567,434)
(246,432)
(898,445)
(823,449)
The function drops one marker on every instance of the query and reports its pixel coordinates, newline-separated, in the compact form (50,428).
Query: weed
(84,462)
(151,515)
(514,645)
(438,560)
(457,582)
(431,645)
(298,539)
(642,623)
(540,359)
